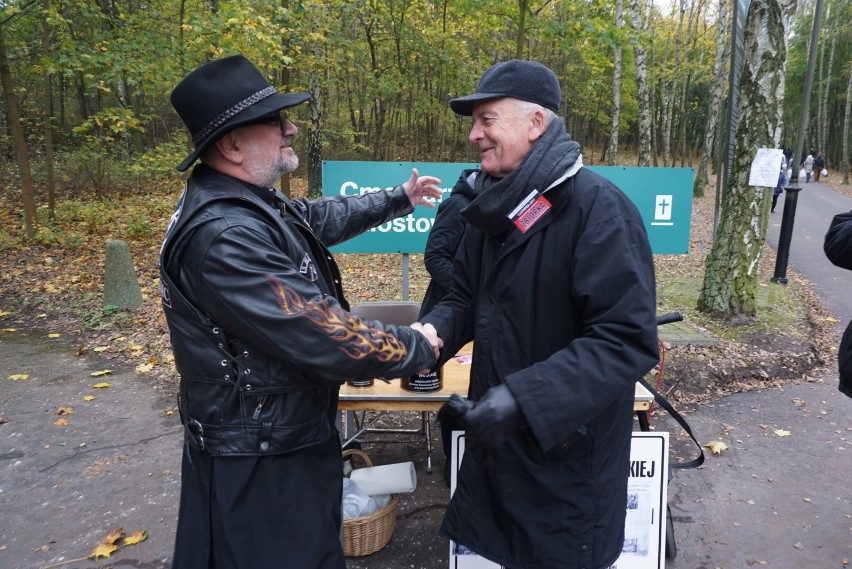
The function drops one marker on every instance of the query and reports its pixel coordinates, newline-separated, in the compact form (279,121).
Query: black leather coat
(838,249)
(258,322)
(444,239)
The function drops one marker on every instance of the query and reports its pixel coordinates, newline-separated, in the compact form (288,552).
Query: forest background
(89,140)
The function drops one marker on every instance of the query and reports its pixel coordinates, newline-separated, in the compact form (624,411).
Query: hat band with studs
(222,118)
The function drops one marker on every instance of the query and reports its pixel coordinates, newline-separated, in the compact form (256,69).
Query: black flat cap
(526,80)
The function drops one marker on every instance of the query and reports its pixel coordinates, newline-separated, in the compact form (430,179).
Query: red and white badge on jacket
(529,211)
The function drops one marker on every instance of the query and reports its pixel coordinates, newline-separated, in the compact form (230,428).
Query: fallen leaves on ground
(136,537)
(108,545)
(716,447)
(103,550)
(782,433)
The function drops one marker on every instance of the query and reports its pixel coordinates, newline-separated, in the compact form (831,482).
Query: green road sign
(662,195)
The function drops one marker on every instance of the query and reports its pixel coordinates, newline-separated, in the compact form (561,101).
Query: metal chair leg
(428,434)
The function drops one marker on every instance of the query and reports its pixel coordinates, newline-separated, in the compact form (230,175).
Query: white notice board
(645,520)
(765,167)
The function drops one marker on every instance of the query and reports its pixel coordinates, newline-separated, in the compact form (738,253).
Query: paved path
(817,205)
(116,464)
(781,502)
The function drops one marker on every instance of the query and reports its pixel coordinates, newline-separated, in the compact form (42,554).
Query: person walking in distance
(819,164)
(782,183)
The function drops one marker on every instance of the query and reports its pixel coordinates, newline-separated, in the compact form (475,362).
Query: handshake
(487,422)
(431,336)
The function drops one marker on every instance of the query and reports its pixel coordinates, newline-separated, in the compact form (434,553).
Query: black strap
(664,403)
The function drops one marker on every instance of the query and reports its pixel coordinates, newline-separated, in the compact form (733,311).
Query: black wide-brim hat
(520,79)
(223,94)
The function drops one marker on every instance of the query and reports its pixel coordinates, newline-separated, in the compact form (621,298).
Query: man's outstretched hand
(418,188)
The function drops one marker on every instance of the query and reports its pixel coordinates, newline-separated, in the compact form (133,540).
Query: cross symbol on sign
(663,209)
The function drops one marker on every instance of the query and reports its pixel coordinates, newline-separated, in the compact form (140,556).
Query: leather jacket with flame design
(259,327)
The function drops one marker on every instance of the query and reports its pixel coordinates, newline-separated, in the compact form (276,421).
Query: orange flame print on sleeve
(356,339)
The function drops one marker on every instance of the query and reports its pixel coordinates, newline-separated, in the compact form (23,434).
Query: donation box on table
(645,518)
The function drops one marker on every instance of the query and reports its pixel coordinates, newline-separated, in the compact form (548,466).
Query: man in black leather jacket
(261,332)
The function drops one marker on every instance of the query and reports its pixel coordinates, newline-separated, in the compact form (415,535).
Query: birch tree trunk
(669,91)
(826,87)
(641,83)
(701,177)
(612,151)
(730,277)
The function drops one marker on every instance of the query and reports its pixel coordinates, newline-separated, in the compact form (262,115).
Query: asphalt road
(816,206)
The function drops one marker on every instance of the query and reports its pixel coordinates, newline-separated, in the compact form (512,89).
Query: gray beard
(267,176)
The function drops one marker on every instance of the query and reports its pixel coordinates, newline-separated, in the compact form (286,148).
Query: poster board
(645,516)
(663,197)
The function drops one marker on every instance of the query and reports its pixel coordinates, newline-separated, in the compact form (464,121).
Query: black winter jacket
(564,315)
(259,326)
(838,249)
(444,240)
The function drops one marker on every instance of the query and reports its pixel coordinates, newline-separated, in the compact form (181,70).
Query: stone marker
(121,288)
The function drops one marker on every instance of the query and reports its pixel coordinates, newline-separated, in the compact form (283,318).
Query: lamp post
(792,191)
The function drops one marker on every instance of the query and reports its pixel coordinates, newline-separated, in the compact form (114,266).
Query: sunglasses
(277,118)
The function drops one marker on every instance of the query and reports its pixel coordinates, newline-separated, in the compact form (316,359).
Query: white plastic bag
(356,502)
(824,173)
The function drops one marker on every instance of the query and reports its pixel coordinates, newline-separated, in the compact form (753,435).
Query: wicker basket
(368,534)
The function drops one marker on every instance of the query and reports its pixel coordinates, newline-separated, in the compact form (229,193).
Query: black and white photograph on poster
(645,519)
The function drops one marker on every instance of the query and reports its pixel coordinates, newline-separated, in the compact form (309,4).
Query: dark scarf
(551,155)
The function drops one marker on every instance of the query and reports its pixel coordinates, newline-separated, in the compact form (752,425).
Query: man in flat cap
(554,282)
(261,332)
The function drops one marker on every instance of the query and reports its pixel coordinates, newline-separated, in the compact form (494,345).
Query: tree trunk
(22,154)
(668,91)
(826,86)
(730,277)
(314,138)
(48,120)
(641,84)
(285,81)
(612,150)
(701,178)
(520,40)
(847,122)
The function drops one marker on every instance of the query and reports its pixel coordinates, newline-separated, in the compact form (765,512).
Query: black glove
(489,421)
